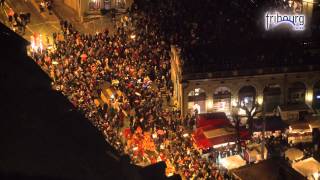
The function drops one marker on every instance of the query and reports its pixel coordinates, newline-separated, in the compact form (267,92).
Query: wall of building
(72,4)
(259,82)
(183,87)
(82,7)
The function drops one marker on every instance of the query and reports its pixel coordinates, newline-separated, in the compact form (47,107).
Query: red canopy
(215,119)
(203,140)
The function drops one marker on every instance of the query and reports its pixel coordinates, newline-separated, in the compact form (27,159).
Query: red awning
(214,119)
(204,142)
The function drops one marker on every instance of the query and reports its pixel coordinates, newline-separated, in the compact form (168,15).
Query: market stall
(253,152)
(308,168)
(213,119)
(233,162)
(299,133)
(274,126)
(294,154)
(214,136)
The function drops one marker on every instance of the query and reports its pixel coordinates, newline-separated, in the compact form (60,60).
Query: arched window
(247,96)
(271,97)
(197,100)
(222,100)
(296,92)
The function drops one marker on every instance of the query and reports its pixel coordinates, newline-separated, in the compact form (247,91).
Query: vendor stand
(294,154)
(233,162)
(299,133)
(309,168)
(253,152)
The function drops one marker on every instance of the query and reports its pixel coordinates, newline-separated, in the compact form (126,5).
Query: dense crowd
(137,57)
(211,34)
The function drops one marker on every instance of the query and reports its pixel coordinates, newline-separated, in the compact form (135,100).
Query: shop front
(299,133)
(247,96)
(95,5)
(222,100)
(197,101)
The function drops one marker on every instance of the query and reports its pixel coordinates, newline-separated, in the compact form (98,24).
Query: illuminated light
(210,104)
(242,112)
(316,175)
(154,135)
(309,96)
(170,174)
(138,94)
(246,100)
(55,62)
(297,21)
(223,144)
(185,135)
(234,102)
(112,96)
(318,96)
(132,36)
(40,43)
(260,100)
(135,148)
(196,107)
(162,146)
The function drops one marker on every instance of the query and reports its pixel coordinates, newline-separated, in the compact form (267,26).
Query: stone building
(221,90)
(86,7)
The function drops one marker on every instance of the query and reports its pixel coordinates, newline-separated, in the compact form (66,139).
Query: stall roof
(233,162)
(273,123)
(294,154)
(299,125)
(307,167)
(294,107)
(208,136)
(271,169)
(215,119)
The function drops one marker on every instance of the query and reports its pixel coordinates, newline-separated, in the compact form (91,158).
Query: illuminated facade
(219,91)
(83,7)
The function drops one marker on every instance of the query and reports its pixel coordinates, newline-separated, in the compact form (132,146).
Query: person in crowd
(2,3)
(137,58)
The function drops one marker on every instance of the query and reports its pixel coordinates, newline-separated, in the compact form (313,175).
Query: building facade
(85,7)
(220,91)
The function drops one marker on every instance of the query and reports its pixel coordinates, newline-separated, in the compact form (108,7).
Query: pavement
(42,23)
(46,24)
(89,25)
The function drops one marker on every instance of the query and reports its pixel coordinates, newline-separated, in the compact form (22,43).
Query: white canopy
(307,167)
(233,162)
(294,154)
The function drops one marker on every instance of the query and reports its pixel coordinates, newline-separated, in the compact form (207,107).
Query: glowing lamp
(132,36)
(260,100)
(309,96)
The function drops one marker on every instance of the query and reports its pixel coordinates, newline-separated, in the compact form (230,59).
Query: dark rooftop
(271,169)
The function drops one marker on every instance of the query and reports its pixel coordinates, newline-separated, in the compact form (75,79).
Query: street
(41,23)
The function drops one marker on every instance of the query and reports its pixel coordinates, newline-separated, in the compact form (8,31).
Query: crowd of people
(135,62)
(46,4)
(212,35)
(137,57)
(18,21)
